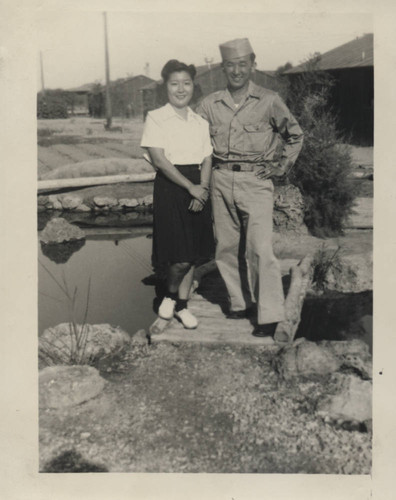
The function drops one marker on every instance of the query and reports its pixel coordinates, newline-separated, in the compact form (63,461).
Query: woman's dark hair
(174,66)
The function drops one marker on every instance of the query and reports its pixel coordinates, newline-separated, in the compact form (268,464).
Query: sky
(72,42)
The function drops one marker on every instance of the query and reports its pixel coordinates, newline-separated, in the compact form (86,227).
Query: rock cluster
(74,203)
(288,206)
(348,399)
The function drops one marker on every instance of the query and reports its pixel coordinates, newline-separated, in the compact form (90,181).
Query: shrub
(324,166)
(45,132)
(52,104)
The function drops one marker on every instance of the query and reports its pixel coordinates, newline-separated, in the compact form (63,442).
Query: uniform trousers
(242,208)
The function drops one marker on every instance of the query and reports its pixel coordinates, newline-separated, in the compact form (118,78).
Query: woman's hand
(195,205)
(199,193)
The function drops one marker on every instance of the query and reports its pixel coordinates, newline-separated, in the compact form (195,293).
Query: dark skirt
(180,235)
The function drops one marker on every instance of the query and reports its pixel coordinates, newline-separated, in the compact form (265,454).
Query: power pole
(209,61)
(108,98)
(42,72)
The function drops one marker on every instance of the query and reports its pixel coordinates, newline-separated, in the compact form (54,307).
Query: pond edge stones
(63,386)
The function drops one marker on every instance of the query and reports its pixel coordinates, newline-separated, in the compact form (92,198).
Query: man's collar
(252,91)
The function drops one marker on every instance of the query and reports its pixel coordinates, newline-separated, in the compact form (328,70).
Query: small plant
(76,350)
(323,262)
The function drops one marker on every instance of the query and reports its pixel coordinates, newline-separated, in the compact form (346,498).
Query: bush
(52,104)
(324,166)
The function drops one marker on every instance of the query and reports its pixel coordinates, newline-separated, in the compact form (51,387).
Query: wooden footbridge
(209,304)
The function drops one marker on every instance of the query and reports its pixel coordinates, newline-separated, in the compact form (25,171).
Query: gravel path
(196,408)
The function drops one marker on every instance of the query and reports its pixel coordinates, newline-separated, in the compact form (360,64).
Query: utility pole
(108,98)
(42,73)
(209,61)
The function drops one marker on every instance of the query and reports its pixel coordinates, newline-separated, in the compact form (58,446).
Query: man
(247,123)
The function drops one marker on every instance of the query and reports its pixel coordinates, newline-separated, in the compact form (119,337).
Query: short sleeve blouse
(184,141)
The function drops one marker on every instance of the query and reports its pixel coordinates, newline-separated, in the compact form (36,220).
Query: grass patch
(45,132)
(76,350)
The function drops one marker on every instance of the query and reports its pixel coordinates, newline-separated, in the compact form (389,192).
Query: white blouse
(183,141)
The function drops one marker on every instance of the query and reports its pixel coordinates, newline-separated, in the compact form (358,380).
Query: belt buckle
(236,168)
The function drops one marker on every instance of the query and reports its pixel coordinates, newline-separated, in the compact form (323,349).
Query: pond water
(111,267)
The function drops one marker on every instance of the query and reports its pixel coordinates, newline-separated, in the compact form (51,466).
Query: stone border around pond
(288,205)
(75,203)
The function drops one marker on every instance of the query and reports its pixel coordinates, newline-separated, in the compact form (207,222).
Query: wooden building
(352,97)
(125,93)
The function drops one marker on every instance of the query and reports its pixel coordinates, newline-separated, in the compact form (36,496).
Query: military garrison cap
(235,48)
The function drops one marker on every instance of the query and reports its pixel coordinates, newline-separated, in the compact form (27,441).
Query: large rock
(128,202)
(64,343)
(42,200)
(54,203)
(105,201)
(303,358)
(352,402)
(58,230)
(288,209)
(71,201)
(350,273)
(62,386)
(354,356)
(148,200)
(343,348)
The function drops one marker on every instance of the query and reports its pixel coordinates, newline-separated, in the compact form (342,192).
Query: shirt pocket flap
(252,127)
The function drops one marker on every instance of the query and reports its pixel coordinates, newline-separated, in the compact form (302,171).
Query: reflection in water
(117,295)
(60,253)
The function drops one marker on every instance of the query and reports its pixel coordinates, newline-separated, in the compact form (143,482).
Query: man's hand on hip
(271,169)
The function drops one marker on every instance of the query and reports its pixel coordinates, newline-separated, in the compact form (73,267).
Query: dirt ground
(200,408)
(73,140)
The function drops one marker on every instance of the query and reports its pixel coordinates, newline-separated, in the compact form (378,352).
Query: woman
(178,142)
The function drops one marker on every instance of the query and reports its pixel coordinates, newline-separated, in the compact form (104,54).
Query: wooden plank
(47,185)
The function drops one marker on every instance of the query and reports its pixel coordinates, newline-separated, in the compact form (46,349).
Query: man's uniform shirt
(249,132)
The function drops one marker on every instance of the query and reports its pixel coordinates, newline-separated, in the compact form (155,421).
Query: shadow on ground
(71,461)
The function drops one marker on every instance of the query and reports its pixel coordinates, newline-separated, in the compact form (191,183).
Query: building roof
(138,79)
(83,89)
(357,53)
(87,87)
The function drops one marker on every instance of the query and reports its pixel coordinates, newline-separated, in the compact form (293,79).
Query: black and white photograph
(201,226)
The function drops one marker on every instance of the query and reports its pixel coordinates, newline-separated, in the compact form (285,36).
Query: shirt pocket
(219,138)
(254,135)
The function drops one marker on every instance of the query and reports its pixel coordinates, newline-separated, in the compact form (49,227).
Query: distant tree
(96,101)
(52,104)
(281,69)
